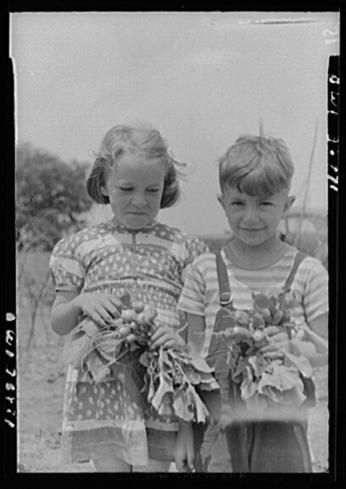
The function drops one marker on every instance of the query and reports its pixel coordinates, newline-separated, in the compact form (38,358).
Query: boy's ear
(289,202)
(220,200)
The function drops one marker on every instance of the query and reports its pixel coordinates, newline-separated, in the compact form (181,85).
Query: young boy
(255,177)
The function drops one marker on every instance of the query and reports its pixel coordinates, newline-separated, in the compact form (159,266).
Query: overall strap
(225,295)
(300,256)
(218,356)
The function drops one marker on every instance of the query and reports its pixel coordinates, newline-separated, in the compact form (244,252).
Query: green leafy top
(171,375)
(264,381)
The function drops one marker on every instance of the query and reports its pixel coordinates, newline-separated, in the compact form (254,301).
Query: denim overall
(254,446)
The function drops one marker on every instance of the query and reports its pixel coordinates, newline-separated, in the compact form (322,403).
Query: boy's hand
(165,337)
(304,348)
(279,341)
(101,308)
(184,450)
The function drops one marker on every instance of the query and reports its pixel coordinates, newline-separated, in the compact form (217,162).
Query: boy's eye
(153,190)
(267,203)
(236,202)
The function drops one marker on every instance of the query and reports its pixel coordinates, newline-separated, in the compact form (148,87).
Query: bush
(50,195)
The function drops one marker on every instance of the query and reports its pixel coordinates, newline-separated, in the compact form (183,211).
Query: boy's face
(254,220)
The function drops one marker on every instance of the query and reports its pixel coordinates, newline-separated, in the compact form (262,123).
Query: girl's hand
(184,450)
(101,308)
(278,341)
(165,337)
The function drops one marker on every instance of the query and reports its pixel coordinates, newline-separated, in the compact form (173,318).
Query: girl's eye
(125,189)
(267,203)
(152,190)
(236,203)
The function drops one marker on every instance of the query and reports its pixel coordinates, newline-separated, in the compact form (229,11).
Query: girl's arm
(68,306)
(65,312)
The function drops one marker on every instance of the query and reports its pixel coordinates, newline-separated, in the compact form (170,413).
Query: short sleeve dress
(105,419)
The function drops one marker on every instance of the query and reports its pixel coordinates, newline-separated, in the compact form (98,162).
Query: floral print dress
(108,419)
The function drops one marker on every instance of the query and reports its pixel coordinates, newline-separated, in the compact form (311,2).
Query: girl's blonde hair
(141,140)
(256,165)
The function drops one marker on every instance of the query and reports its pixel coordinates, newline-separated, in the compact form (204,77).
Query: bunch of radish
(268,378)
(250,325)
(135,321)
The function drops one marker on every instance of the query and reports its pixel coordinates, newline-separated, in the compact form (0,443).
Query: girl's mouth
(251,229)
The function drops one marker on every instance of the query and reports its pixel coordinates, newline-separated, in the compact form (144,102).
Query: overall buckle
(225,299)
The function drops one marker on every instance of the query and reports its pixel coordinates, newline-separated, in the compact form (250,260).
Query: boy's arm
(317,334)
(195,332)
(319,327)
(314,333)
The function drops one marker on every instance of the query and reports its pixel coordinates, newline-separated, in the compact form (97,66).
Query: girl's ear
(289,202)
(104,191)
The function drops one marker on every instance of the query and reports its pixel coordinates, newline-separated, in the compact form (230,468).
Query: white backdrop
(201,78)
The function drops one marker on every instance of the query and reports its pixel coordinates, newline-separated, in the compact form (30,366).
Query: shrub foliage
(50,197)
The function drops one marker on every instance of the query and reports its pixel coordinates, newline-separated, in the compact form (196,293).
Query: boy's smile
(254,220)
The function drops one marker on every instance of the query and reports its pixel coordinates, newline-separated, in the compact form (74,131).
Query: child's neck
(255,257)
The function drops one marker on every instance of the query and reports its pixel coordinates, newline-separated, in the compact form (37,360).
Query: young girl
(255,177)
(93,268)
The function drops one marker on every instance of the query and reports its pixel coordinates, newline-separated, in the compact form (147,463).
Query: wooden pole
(303,211)
(261,129)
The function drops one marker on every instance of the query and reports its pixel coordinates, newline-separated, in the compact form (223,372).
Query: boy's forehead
(233,191)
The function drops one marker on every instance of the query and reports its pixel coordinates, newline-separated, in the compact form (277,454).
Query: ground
(41,385)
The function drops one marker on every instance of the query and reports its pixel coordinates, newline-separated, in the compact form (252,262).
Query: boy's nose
(250,214)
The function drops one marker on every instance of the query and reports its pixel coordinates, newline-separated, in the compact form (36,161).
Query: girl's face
(134,186)
(254,220)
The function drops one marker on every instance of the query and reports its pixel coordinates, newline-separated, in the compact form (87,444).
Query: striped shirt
(200,294)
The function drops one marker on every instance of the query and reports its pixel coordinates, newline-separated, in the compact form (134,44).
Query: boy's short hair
(256,165)
(140,139)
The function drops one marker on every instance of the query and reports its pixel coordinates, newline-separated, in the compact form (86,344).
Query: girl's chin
(136,223)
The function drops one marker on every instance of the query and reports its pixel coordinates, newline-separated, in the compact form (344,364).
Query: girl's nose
(139,200)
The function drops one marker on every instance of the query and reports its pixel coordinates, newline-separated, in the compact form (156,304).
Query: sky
(201,78)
